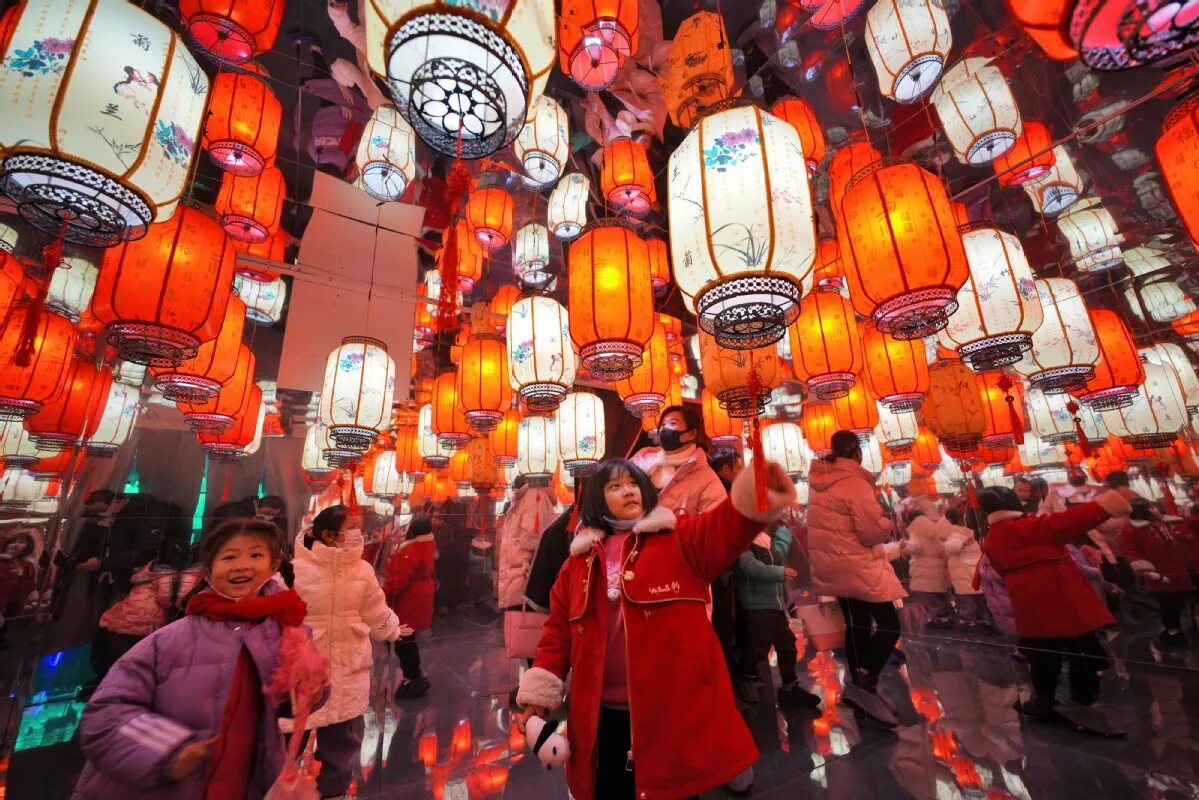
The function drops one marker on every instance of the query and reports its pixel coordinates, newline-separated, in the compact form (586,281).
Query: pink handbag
(522,632)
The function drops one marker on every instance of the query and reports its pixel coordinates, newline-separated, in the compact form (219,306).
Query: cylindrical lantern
(818,424)
(1118,371)
(484,390)
(1165,301)
(1003,405)
(504,439)
(1064,348)
(219,412)
(843,166)
(386,480)
(626,178)
(232,31)
(233,442)
(977,111)
(312,460)
(799,115)
(250,207)
(826,348)
(201,377)
(659,262)
(953,408)
(531,254)
(1029,159)
(727,375)
(433,451)
(357,391)
(1093,238)
(998,305)
(722,430)
(544,143)
(19,489)
(699,68)
(386,154)
(72,286)
(73,413)
(264,300)
(449,417)
(116,420)
(1173,355)
(896,430)
(537,449)
(129,372)
(742,232)
(541,361)
(489,217)
(856,410)
(611,299)
(501,306)
(897,369)
(1156,415)
(241,133)
(1057,189)
(472,259)
(594,39)
(273,248)
(25,387)
(104,157)
(644,392)
(1176,156)
(905,260)
(782,443)
(582,436)
(908,42)
(407,449)
(566,213)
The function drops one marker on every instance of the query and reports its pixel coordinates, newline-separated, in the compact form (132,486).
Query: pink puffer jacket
(155,592)
(692,487)
(532,509)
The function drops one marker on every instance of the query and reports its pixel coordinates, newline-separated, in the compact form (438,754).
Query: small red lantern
(897,368)
(241,134)
(1029,159)
(218,413)
(75,412)
(201,378)
(272,248)
(230,443)
(799,115)
(250,207)
(626,179)
(594,39)
(27,382)
(233,31)
(489,215)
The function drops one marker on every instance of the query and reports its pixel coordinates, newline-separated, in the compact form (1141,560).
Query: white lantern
(897,473)
(908,42)
(264,299)
(71,286)
(783,443)
(537,449)
(994,475)
(386,154)
(1150,490)
(1057,189)
(1051,419)
(872,456)
(543,144)
(582,436)
(1157,414)
(896,430)
(531,254)
(998,306)
(1038,455)
(466,75)
(1143,261)
(1164,300)
(403,514)
(116,421)
(977,111)
(19,489)
(435,454)
(312,461)
(541,360)
(1093,238)
(386,481)
(802,493)
(742,226)
(357,392)
(17,448)
(256,440)
(8,238)
(104,106)
(567,210)
(1064,349)
(1176,357)
(129,373)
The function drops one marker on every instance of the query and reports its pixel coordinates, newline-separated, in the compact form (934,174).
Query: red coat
(1168,546)
(1050,595)
(408,582)
(687,734)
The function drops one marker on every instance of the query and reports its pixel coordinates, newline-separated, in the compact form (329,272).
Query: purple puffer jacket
(999,603)
(169,690)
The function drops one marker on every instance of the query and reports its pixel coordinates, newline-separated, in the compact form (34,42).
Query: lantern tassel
(446,307)
(1084,444)
(1168,501)
(1005,384)
(754,387)
(51,258)
(971,495)
(228,483)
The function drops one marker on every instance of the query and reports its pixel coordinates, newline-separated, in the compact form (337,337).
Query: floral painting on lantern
(732,148)
(175,141)
(44,57)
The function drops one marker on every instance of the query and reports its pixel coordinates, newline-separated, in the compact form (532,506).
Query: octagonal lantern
(541,361)
(386,155)
(537,449)
(566,212)
(1059,188)
(582,434)
(1064,349)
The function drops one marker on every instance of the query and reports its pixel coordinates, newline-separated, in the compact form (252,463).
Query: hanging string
(1084,444)
(754,388)
(1005,385)
(51,259)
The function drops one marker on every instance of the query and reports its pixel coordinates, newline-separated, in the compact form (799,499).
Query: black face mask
(671,439)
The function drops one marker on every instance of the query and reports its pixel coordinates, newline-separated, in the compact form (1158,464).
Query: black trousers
(409,655)
(614,777)
(1170,604)
(871,631)
(1045,657)
(770,627)
(724,617)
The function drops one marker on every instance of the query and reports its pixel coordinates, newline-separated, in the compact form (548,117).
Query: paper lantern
(1064,349)
(611,299)
(827,273)
(1059,188)
(19,489)
(856,410)
(644,391)
(998,305)
(264,300)
(659,262)
(201,377)
(73,413)
(1165,301)
(232,31)
(905,260)
(799,115)
(219,412)
(504,439)
(251,254)
(926,450)
(699,68)
(129,373)
(232,442)
(472,260)
(449,416)
(382,479)
(484,390)
(896,369)
(1003,407)
(357,391)
(783,444)
(843,166)
(537,449)
(1118,371)
(1093,238)
(1156,415)
(722,430)
(727,375)
(566,213)
(1121,34)
(250,208)
(594,39)
(72,286)
(818,424)
(826,349)
(407,449)
(1050,418)
(531,254)
(467,77)
(8,238)
(582,436)
(541,361)
(1029,159)
(501,306)
(908,42)
(953,408)
(433,451)
(626,178)
(489,215)
(896,430)
(977,111)
(1173,355)
(742,232)
(104,109)
(117,419)
(1176,157)
(544,143)
(1046,24)
(386,155)
(241,133)
(26,387)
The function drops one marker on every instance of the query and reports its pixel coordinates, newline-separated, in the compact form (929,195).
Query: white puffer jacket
(346,608)
(942,554)
(532,509)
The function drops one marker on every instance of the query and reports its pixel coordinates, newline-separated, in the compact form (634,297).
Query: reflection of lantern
(1057,189)
(8,239)
(722,430)
(1064,349)
(264,300)
(357,391)
(1051,419)
(905,260)
(537,449)
(386,154)
(541,362)
(231,443)
(1164,300)
(1156,415)
(828,272)
(582,436)
(472,260)
(19,489)
(659,262)
(626,179)
(818,424)
(1030,158)
(24,388)
(250,207)
(856,410)
(826,350)
(594,39)
(116,420)
(466,76)
(432,451)
(896,430)
(241,133)
(897,369)
(531,254)
(799,115)
(1118,371)
(72,286)
(1038,455)
(842,167)
(202,376)
(566,213)
(75,411)
(504,439)
(489,217)
(232,30)
(1173,355)
(386,480)
(1176,156)
(998,305)
(273,248)
(1122,35)
(1093,238)
(742,232)
(953,408)
(977,111)
(926,450)
(449,417)
(1003,405)
(908,41)
(501,306)
(644,392)
(611,299)
(483,386)
(782,443)
(699,67)
(219,412)
(727,374)
(105,179)
(544,143)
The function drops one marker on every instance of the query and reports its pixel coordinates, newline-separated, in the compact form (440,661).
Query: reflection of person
(18,577)
(651,710)
(532,508)
(409,586)
(1160,550)
(679,468)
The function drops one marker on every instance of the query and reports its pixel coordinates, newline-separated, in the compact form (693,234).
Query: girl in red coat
(1160,551)
(1056,611)
(409,586)
(651,714)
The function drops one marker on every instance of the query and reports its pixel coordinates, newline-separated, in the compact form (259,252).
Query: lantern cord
(754,388)
(51,259)
(1005,385)
(1084,443)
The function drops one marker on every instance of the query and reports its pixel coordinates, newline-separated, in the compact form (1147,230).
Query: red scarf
(284,607)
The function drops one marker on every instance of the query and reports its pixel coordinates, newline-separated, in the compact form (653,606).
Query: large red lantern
(504,439)
(896,368)
(12,282)
(1177,153)
(218,413)
(1118,372)
(201,378)
(856,411)
(75,412)
(407,450)
(250,207)
(449,417)
(594,39)
(230,444)
(29,379)
(818,423)
(844,165)
(483,387)
(241,134)
(627,179)
(233,31)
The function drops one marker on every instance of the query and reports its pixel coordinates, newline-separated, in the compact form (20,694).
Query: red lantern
(827,273)
(847,162)
(12,282)
(594,39)
(28,383)
(504,439)
(1177,153)
(449,417)
(483,387)
(926,452)
(272,248)
(52,468)
(857,411)
(75,412)
(501,306)
(233,31)
(799,115)
(659,262)
(1029,159)
(626,179)
(407,450)
(818,423)
(1047,23)
(897,368)
(1118,372)
(1003,407)
(489,215)
(201,378)
(241,134)
(230,443)
(221,411)
(826,348)
(250,207)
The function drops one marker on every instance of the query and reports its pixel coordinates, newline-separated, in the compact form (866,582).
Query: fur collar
(660,519)
(1002,515)
(424,537)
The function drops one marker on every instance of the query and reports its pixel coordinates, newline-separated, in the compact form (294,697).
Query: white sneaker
(869,704)
(742,783)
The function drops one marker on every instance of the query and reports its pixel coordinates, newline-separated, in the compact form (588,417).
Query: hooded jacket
(693,488)
(531,511)
(846,531)
(409,583)
(943,555)
(761,578)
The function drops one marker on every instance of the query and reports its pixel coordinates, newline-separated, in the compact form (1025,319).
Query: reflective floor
(959,735)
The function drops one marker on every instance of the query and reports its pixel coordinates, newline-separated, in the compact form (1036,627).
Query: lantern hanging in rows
(220,411)
(1064,349)
(908,42)
(1173,355)
(484,390)
(783,444)
(566,213)
(201,377)
(626,179)
(644,391)
(998,305)
(1051,419)
(896,430)
(818,425)
(1165,301)
(1144,262)
(953,408)
(117,419)
(977,111)
(433,452)
(72,286)
(500,307)
(468,81)
(470,263)
(73,413)
(231,442)
(856,410)
(449,416)
(489,217)
(357,391)
(846,163)
(1003,407)
(1093,238)
(27,382)
(537,449)
(722,430)
(241,133)
(541,361)
(826,348)
(594,39)
(232,31)
(1118,371)
(1030,158)
(407,449)
(105,179)
(273,248)
(742,230)
(1176,150)
(250,208)
(727,375)
(896,369)
(1156,415)
(611,299)
(905,261)
(699,68)
(263,300)
(17,448)
(659,262)
(386,480)
(531,254)
(582,435)
(505,439)
(800,116)
(543,145)
(1059,188)
(386,155)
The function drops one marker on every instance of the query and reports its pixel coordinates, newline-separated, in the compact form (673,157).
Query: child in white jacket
(346,609)
(944,555)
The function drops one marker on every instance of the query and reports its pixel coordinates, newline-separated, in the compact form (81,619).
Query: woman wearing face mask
(679,468)
(346,609)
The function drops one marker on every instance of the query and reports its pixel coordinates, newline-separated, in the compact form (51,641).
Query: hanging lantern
(357,391)
(998,306)
(219,412)
(659,262)
(818,424)
(449,417)
(537,449)
(74,412)
(1122,35)
(129,373)
(470,264)
(856,411)
(699,68)
(843,166)
(897,369)
(541,361)
(977,111)
(926,451)
(18,450)
(8,239)
(241,132)
(1164,300)
(385,480)
(722,430)
(1173,355)
(626,178)
(905,260)
(953,408)
(1093,238)
(1029,159)
(1176,157)
(582,438)
(594,39)
(826,349)
(531,254)
(1064,349)
(1156,415)
(505,445)
(105,179)
(644,392)
(783,444)
(19,489)
(1046,24)
(799,115)
(896,430)
(386,155)
(467,77)
(116,420)
(611,299)
(483,387)
(567,211)
(489,215)
(828,272)
(481,471)
(201,378)
(232,31)
(25,387)
(432,450)
(250,207)
(727,375)
(72,286)
(1050,418)
(1057,189)
(908,42)
(543,144)
(1003,407)
(312,461)
(742,231)
(1187,326)
(263,300)
(1118,371)
(233,442)
(273,248)
(501,306)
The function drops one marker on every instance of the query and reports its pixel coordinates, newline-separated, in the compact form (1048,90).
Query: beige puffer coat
(942,554)
(531,510)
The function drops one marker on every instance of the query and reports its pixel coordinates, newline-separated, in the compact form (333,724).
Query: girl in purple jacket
(182,716)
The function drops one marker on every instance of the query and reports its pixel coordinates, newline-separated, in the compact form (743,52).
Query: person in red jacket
(651,712)
(1160,551)
(409,586)
(1056,611)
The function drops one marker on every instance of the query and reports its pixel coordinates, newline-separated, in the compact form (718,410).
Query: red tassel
(1168,498)
(1084,444)
(1005,385)
(352,500)
(447,309)
(971,494)
(51,259)
(754,387)
(228,483)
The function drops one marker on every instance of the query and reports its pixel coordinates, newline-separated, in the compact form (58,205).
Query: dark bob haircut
(328,521)
(593,507)
(259,529)
(694,420)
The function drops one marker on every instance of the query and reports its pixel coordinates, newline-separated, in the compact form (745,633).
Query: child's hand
(790,574)
(190,758)
(406,631)
(529,712)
